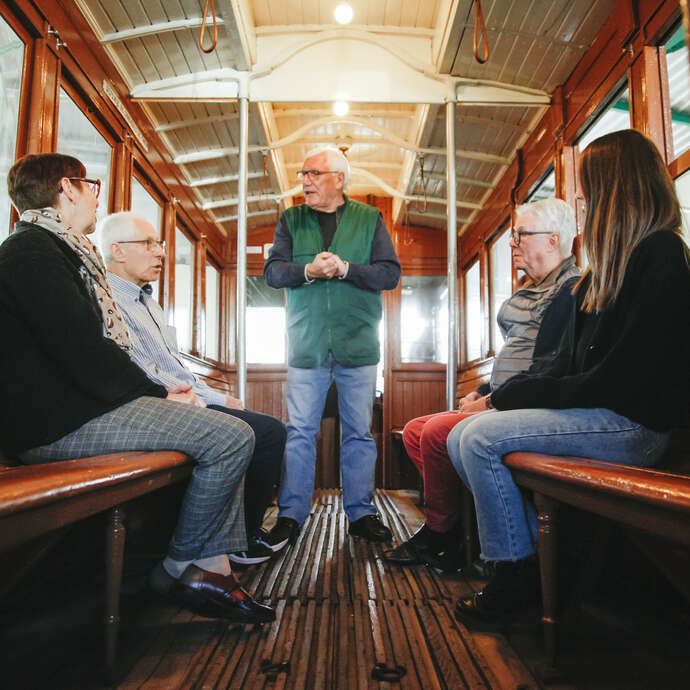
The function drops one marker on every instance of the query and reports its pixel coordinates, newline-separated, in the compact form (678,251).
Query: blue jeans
(306,397)
(506,521)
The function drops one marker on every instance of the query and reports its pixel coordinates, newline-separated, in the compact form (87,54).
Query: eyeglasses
(315,174)
(94,184)
(150,244)
(516,235)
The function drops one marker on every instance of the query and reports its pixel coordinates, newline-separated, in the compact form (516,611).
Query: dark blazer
(630,358)
(57,369)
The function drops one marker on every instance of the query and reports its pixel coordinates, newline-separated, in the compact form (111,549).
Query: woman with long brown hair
(619,382)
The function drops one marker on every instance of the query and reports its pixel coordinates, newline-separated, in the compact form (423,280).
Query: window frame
(172,260)
(503,228)
(67,84)
(23,124)
(677,165)
(220,359)
(465,362)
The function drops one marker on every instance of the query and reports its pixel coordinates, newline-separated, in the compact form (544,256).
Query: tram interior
(171,130)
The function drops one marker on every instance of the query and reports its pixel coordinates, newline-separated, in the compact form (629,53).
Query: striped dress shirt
(154,343)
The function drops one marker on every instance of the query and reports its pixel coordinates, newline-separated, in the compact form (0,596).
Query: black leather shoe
(218,596)
(407,553)
(448,560)
(403,554)
(511,592)
(285,531)
(371,528)
(481,570)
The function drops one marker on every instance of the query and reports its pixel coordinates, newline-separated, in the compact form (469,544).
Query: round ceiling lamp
(343,13)
(341,108)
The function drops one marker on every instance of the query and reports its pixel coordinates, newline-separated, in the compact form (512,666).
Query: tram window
(79,138)
(266,331)
(145,206)
(424,319)
(473,313)
(184,289)
(11,61)
(212,311)
(501,283)
(683,191)
(612,119)
(545,189)
(679,90)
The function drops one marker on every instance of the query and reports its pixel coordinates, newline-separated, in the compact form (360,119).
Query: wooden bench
(655,501)
(38,499)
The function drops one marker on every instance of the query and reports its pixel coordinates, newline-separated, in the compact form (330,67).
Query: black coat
(632,358)
(57,369)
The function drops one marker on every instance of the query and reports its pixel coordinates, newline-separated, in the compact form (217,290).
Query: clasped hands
(183,393)
(326,266)
(472,402)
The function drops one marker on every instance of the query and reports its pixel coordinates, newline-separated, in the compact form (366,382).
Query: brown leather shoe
(218,596)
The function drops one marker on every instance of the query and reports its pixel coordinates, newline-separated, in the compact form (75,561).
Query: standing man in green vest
(334,256)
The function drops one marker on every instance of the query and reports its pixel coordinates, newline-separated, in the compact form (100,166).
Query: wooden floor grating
(341,610)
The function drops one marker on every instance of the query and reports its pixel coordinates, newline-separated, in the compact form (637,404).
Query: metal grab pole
(242,251)
(452,232)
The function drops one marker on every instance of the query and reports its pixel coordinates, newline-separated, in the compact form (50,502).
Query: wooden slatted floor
(340,609)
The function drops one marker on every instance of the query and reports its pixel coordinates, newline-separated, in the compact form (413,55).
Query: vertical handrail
(452,232)
(242,251)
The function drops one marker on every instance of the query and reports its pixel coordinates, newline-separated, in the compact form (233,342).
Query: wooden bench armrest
(651,486)
(30,486)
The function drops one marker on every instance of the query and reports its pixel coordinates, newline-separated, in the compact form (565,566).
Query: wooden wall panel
(416,393)
(266,393)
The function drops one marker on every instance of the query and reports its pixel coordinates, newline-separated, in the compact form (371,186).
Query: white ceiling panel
(533,43)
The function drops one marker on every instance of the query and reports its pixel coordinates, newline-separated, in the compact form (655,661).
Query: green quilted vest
(333,314)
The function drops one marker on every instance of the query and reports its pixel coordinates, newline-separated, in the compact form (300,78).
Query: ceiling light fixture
(343,13)
(341,108)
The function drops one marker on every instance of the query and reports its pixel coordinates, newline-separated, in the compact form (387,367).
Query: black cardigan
(57,369)
(635,361)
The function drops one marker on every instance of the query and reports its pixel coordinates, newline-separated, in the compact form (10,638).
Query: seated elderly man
(75,392)
(531,321)
(134,257)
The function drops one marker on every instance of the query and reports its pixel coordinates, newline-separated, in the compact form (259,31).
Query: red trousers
(425,443)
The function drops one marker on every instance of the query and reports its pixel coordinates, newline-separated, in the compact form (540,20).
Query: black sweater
(631,358)
(57,369)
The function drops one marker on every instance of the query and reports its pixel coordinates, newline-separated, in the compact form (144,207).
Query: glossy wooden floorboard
(341,609)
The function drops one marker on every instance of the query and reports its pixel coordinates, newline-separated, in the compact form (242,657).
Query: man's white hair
(117,227)
(336,160)
(553,215)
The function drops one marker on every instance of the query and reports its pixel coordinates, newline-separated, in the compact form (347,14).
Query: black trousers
(264,468)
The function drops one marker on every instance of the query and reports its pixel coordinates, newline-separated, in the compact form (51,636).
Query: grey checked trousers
(211,520)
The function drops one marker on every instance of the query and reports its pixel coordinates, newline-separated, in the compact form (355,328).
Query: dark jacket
(57,369)
(630,358)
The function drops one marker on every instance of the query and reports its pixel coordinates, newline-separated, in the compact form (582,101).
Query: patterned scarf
(93,271)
